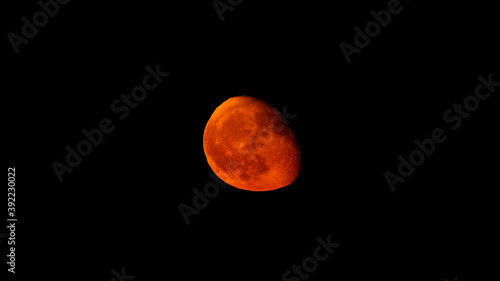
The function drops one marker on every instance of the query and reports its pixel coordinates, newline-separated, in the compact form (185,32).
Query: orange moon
(249,146)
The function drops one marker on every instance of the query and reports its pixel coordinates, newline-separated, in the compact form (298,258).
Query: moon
(249,145)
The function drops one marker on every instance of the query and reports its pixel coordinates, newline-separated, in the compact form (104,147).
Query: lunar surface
(249,146)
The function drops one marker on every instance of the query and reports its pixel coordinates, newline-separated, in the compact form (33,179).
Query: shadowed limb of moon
(249,146)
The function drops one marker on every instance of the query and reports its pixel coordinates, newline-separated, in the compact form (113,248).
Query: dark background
(119,208)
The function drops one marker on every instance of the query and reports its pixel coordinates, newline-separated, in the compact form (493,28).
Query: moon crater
(249,146)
